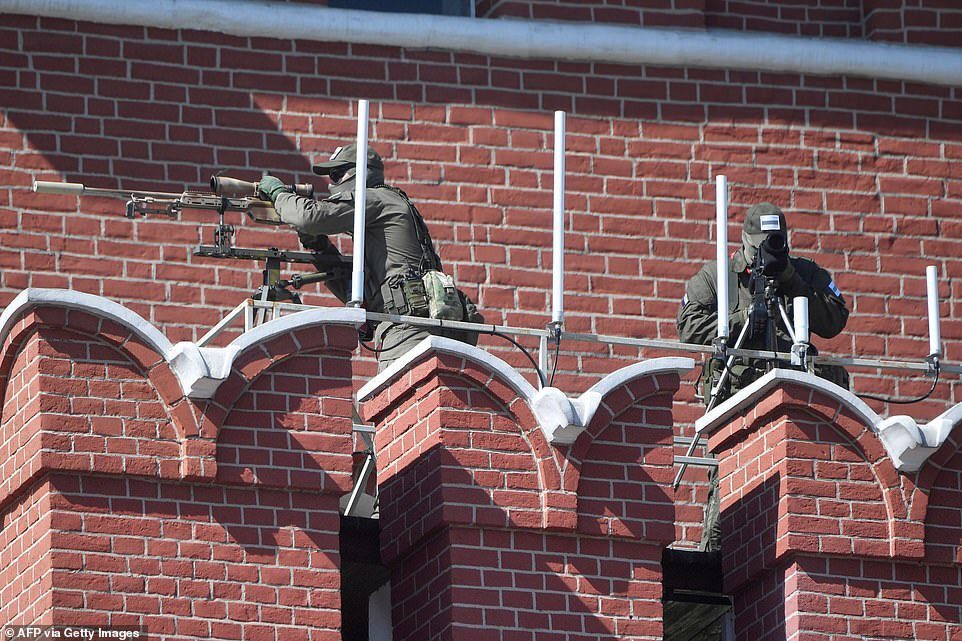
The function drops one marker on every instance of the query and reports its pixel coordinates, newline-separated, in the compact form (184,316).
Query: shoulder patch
(834,288)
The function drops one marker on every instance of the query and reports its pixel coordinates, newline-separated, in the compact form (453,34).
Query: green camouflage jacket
(697,319)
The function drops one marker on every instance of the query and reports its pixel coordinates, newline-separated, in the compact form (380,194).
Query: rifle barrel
(143,203)
(67,189)
(79,189)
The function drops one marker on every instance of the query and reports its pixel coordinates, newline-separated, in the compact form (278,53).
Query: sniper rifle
(228,194)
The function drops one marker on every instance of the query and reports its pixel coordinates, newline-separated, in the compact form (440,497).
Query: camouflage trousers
(398,339)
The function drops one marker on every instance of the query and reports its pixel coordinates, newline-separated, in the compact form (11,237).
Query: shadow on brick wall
(174,553)
(748,532)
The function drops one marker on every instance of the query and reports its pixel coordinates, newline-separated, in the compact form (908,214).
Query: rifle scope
(233,188)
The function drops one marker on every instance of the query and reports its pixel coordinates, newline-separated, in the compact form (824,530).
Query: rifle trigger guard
(147,205)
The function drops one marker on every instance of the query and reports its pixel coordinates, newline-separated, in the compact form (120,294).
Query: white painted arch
(200,370)
(562,419)
(906,442)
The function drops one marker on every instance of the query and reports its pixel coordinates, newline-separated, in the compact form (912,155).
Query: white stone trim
(444,345)
(222,361)
(587,404)
(200,370)
(561,418)
(906,442)
(528,39)
(92,304)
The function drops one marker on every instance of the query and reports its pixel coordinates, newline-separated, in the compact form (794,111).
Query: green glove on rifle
(269,187)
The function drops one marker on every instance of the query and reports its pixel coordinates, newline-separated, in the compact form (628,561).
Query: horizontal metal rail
(920,365)
(697,461)
(483,328)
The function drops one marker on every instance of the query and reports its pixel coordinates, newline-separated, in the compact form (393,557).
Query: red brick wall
(25,560)
(24,521)
(207,561)
(933,22)
(868,171)
(306,399)
(490,532)
(831,18)
(652,13)
(504,582)
(837,598)
(113,511)
(822,538)
(943,518)
(19,434)
(930,22)
(760,608)
(878,599)
(468,136)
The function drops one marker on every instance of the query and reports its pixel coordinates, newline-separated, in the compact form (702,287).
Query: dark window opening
(436,7)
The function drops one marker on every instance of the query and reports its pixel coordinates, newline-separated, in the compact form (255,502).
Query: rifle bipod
(278,290)
(272,289)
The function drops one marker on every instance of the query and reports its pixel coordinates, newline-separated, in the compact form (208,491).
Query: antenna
(360,206)
(721,253)
(558,262)
(932,290)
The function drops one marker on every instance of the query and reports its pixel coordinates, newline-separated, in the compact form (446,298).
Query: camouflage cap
(347,157)
(761,220)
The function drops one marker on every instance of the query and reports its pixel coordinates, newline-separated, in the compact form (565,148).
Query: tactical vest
(423,290)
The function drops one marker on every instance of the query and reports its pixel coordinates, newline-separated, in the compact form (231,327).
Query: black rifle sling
(429,257)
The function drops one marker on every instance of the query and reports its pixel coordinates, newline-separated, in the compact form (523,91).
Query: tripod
(767,303)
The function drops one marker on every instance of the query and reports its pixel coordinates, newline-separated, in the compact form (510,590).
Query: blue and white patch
(834,289)
(770,222)
(684,300)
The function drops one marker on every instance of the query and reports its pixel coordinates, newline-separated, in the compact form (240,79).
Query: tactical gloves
(773,254)
(319,243)
(269,187)
(787,272)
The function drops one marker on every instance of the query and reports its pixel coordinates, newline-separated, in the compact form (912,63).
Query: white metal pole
(542,355)
(721,252)
(360,206)
(932,288)
(800,309)
(558,263)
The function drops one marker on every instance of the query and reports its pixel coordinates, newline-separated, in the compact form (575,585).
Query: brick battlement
(814,510)
(125,502)
(560,538)
(503,510)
